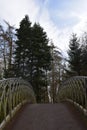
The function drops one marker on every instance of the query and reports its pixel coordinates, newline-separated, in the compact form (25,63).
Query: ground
(62,116)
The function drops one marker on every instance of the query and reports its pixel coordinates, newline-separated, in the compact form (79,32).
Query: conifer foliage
(74,54)
(32,56)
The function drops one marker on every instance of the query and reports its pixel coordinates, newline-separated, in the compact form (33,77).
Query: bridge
(19,110)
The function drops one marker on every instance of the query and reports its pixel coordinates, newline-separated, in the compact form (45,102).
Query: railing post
(10,100)
(4,104)
(86,94)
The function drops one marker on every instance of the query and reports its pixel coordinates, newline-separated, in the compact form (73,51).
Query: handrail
(74,89)
(14,91)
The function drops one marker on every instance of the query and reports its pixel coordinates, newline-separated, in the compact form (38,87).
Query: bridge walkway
(62,116)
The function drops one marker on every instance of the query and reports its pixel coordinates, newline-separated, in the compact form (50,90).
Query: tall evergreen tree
(23,41)
(84,55)
(32,56)
(74,54)
(41,60)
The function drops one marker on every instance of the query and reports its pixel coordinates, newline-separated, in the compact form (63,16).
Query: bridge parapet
(74,89)
(13,93)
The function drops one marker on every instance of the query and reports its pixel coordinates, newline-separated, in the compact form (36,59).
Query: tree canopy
(32,56)
(74,56)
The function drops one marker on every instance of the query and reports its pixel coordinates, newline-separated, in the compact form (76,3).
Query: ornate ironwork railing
(74,89)
(14,91)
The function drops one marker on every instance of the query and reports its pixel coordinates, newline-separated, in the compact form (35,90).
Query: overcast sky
(59,18)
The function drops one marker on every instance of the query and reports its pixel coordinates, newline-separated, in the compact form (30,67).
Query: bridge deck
(47,117)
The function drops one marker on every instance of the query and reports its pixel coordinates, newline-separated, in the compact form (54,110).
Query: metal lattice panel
(74,89)
(14,91)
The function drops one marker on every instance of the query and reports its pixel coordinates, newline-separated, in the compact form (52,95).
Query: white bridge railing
(75,90)
(13,93)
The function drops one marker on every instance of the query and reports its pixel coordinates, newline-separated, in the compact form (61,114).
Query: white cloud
(14,10)
(59,36)
(81,27)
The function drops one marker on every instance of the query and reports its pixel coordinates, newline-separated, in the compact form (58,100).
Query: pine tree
(74,54)
(41,60)
(23,41)
(84,55)
(32,56)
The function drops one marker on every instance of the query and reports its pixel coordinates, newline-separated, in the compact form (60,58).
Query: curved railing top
(16,80)
(82,79)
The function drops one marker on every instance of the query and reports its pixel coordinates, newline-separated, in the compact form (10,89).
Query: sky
(59,18)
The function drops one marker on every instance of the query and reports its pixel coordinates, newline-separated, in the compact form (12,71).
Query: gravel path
(47,117)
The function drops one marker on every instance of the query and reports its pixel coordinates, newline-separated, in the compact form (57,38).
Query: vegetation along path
(48,117)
